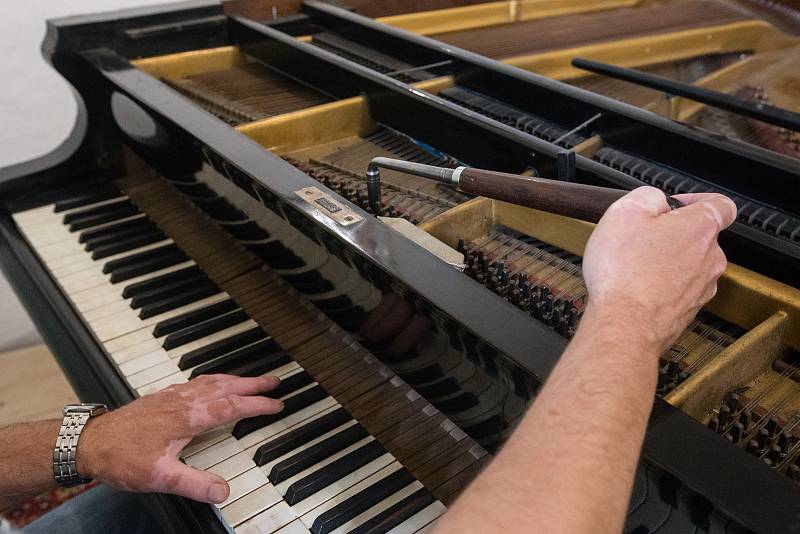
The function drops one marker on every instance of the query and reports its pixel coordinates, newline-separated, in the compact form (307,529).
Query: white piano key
(207,439)
(117,309)
(152,374)
(270,430)
(285,370)
(233,466)
(251,504)
(283,487)
(421,519)
(268,521)
(84,265)
(427,529)
(147,361)
(127,341)
(214,454)
(145,346)
(295,527)
(244,484)
(378,508)
(98,296)
(268,466)
(334,494)
(158,385)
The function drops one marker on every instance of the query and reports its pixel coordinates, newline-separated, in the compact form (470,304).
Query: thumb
(646,199)
(194,484)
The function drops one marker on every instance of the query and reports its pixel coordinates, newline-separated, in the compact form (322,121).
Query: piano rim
(36,280)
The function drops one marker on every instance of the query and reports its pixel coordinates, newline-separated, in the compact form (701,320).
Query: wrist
(88,455)
(621,323)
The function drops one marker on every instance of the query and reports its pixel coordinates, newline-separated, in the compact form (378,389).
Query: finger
(211,387)
(712,206)
(202,486)
(249,385)
(232,408)
(646,199)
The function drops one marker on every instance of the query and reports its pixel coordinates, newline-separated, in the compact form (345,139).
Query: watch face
(83,408)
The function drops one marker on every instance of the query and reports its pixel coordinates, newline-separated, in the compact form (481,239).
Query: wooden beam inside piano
(736,368)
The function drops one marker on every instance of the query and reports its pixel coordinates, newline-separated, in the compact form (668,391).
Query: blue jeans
(101,510)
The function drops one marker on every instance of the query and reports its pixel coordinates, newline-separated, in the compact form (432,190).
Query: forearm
(26,461)
(569,465)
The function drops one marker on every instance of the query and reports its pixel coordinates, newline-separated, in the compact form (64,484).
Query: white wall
(37,111)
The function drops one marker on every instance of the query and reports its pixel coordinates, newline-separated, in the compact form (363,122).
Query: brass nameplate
(329,206)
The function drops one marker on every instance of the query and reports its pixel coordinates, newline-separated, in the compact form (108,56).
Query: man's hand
(136,448)
(654,268)
(648,270)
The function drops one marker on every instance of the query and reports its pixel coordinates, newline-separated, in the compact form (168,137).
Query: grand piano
(209,213)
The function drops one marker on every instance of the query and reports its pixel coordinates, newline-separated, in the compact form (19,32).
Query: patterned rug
(38,506)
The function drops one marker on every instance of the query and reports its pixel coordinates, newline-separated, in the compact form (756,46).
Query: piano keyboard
(355,448)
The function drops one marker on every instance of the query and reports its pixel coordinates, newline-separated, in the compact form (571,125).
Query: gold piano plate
(329,206)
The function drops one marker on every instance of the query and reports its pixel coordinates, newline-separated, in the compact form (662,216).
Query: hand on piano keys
(137,447)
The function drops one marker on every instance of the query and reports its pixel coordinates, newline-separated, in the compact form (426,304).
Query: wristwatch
(65,468)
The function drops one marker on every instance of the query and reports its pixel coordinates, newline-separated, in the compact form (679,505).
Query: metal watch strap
(65,468)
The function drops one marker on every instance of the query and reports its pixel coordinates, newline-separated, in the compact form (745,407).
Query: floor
(32,386)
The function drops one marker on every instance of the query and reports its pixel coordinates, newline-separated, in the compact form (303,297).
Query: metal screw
(348,218)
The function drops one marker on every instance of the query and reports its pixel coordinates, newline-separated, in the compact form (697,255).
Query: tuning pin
(673,370)
(772,426)
(745,418)
(522,279)
(775,454)
(763,438)
(461,246)
(713,423)
(753,448)
(724,415)
(786,440)
(734,402)
(736,432)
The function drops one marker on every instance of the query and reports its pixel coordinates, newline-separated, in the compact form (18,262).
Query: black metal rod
(754,110)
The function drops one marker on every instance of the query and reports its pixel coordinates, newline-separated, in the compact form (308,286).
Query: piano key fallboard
(354,450)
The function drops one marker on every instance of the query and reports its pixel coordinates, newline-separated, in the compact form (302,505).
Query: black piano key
(99,193)
(286,443)
(361,501)
(291,405)
(125,245)
(290,385)
(229,345)
(90,212)
(96,237)
(260,366)
(208,327)
(206,364)
(131,290)
(318,452)
(180,322)
(162,306)
(140,257)
(396,514)
(107,213)
(168,290)
(155,264)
